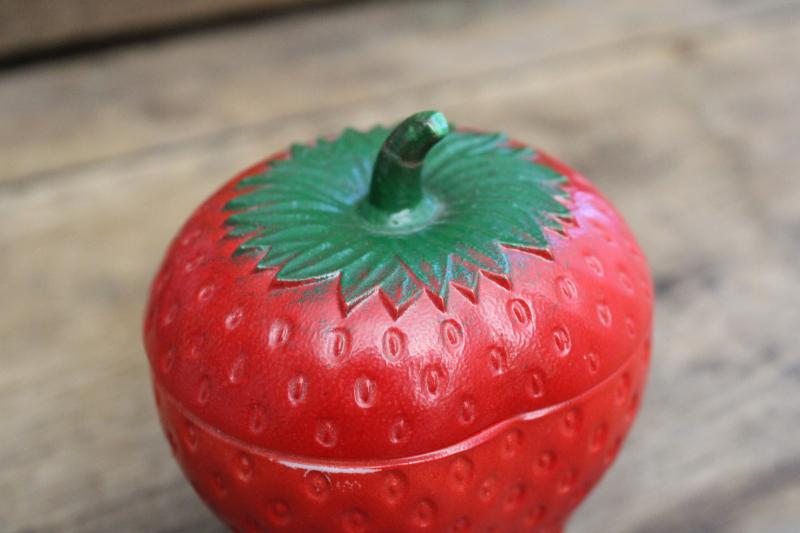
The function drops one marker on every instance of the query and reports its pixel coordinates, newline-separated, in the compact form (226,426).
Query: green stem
(397,177)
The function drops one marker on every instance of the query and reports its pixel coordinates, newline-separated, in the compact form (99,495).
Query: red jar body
(500,408)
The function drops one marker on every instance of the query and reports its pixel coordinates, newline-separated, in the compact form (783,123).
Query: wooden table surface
(685,112)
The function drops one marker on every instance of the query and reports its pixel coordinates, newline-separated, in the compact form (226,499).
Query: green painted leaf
(301,215)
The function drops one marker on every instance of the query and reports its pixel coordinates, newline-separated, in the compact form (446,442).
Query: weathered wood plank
(27,25)
(690,131)
(266,74)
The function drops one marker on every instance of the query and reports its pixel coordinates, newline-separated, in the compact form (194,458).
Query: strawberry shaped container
(422,329)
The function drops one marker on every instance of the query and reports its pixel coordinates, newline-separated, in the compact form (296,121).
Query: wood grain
(684,113)
(288,72)
(27,25)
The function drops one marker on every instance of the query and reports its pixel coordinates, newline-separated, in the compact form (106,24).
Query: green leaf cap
(416,209)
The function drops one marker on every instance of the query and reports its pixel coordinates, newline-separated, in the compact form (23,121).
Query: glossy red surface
(501,410)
